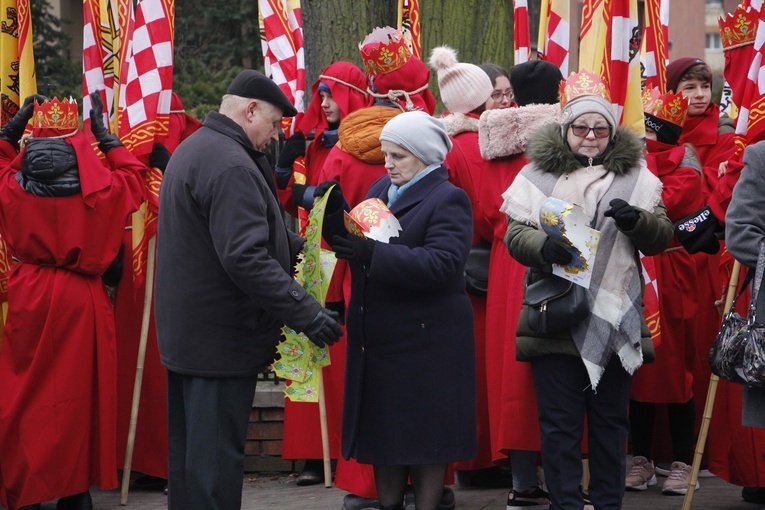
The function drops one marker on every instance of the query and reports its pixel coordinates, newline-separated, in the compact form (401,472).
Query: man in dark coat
(224,289)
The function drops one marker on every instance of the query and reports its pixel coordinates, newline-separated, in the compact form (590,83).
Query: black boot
(31,507)
(81,501)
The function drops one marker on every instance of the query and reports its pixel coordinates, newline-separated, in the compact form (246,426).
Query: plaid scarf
(615,293)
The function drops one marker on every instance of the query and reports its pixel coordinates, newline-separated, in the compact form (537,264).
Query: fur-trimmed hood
(549,152)
(456,123)
(507,132)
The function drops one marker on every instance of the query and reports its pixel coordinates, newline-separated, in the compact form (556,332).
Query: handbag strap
(752,315)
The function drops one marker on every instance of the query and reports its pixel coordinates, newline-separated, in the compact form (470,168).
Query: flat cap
(255,85)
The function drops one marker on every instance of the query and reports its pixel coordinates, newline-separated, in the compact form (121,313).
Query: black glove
(701,231)
(556,253)
(14,128)
(159,157)
(336,200)
(353,247)
(106,141)
(293,148)
(625,216)
(302,195)
(323,329)
(337,307)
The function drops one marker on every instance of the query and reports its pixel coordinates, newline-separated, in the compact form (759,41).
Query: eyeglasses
(498,95)
(582,131)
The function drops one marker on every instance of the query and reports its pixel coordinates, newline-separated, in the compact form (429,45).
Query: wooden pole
(139,369)
(324,433)
(710,403)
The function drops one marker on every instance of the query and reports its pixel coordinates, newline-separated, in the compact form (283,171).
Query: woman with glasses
(502,95)
(586,369)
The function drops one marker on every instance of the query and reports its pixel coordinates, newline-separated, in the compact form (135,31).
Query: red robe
(57,362)
(670,377)
(466,170)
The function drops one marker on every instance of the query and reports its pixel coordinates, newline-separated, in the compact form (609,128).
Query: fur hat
(587,104)
(419,133)
(535,82)
(464,87)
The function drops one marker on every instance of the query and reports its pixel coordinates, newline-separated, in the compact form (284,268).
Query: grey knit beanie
(419,133)
(587,104)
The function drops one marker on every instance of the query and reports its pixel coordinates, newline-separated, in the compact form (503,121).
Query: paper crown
(55,114)
(583,83)
(738,28)
(669,107)
(373,220)
(384,50)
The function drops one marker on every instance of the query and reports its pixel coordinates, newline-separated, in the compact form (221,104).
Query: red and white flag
(281,35)
(655,48)
(750,125)
(521,31)
(555,33)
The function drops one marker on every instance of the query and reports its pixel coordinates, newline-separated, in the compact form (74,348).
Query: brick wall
(264,435)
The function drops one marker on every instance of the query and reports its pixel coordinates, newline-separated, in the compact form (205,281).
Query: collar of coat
(456,123)
(550,153)
(506,132)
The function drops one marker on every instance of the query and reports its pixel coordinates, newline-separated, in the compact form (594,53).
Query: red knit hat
(677,68)
(347,84)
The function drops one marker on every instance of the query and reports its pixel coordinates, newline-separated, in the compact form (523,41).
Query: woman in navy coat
(409,406)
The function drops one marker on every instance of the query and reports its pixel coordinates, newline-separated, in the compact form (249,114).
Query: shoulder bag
(477,269)
(737,354)
(554,304)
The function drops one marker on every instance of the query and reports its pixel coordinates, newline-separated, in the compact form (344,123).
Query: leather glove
(337,307)
(14,128)
(159,157)
(556,253)
(323,329)
(352,247)
(336,200)
(106,141)
(625,216)
(293,148)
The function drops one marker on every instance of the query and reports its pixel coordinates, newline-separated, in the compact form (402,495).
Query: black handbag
(737,353)
(554,304)
(477,269)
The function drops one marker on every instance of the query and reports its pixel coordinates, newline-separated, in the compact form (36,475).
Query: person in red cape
(339,91)
(670,379)
(503,138)
(150,449)
(398,82)
(711,133)
(57,363)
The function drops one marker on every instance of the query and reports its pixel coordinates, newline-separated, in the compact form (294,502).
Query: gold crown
(583,83)
(384,50)
(55,114)
(738,28)
(670,107)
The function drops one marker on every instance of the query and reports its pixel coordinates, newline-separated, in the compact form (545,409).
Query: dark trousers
(564,396)
(207,423)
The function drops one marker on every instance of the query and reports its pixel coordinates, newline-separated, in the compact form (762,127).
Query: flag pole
(139,369)
(324,432)
(710,403)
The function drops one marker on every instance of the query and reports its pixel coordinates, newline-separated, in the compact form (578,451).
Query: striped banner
(521,32)
(409,24)
(655,48)
(281,35)
(610,48)
(555,33)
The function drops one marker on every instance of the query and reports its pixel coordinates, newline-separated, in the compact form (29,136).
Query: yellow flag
(17,62)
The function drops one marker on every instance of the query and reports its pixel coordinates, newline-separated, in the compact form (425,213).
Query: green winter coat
(651,234)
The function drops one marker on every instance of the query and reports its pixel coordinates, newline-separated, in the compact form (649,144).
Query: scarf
(615,293)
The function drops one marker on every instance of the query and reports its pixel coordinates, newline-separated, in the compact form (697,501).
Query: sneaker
(678,478)
(536,498)
(354,502)
(641,475)
(662,469)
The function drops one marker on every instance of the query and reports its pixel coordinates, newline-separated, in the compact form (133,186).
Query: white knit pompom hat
(464,87)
